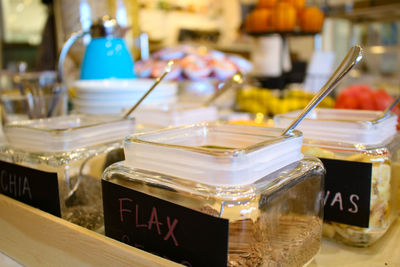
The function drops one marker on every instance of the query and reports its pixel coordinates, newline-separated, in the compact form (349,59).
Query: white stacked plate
(111,97)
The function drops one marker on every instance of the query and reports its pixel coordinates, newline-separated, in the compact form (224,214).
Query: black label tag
(347,192)
(33,187)
(163,228)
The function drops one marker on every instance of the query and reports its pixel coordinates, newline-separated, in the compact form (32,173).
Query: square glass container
(250,176)
(76,149)
(360,143)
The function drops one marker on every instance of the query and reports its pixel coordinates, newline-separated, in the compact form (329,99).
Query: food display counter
(35,238)
(177,183)
(383,253)
(252,183)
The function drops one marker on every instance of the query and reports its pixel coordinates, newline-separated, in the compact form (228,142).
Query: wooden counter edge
(36,238)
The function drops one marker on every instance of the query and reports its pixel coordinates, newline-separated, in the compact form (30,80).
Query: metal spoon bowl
(236,79)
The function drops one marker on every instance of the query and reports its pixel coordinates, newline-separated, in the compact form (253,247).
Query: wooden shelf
(35,238)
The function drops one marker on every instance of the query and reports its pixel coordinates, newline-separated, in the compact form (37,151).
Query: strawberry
(363,97)
(348,103)
(366,100)
(382,99)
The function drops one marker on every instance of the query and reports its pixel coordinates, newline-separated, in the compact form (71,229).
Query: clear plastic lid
(218,154)
(67,133)
(343,125)
(175,115)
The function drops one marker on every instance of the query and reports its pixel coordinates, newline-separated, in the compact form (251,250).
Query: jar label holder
(164,228)
(347,192)
(33,187)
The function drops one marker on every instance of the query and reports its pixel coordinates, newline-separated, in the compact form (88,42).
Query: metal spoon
(159,79)
(28,101)
(71,197)
(57,92)
(351,59)
(238,78)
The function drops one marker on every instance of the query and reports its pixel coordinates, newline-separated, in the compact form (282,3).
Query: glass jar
(252,178)
(56,164)
(361,153)
(31,95)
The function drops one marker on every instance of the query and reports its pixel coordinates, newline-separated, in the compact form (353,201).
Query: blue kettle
(106,56)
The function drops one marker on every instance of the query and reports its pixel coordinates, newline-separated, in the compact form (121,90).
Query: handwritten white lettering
(326,196)
(4,185)
(26,188)
(337,198)
(345,203)
(12,184)
(355,206)
(15,185)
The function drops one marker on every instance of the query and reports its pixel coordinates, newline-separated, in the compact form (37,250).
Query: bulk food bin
(56,164)
(361,154)
(216,194)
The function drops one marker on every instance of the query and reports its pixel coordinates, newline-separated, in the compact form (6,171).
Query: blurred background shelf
(283,34)
(363,11)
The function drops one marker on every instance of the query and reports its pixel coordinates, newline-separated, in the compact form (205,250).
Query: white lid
(343,125)
(245,153)
(117,107)
(176,114)
(67,133)
(111,96)
(113,86)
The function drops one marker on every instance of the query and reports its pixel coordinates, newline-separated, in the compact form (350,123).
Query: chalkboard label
(347,192)
(36,188)
(163,228)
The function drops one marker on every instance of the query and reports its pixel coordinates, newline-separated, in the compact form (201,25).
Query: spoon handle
(56,95)
(353,56)
(390,107)
(159,79)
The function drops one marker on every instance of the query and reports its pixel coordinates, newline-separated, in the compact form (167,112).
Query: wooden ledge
(36,238)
